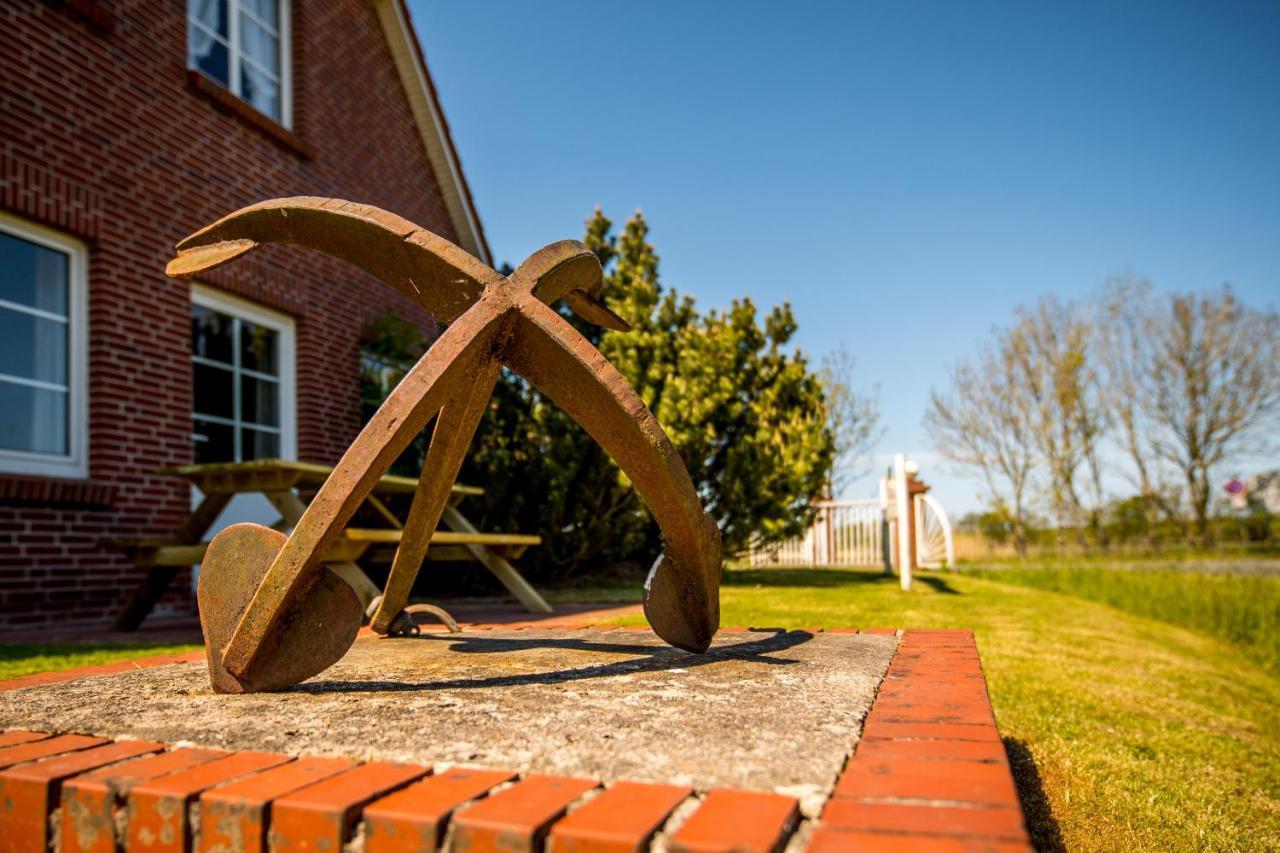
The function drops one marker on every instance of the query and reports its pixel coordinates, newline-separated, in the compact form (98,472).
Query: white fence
(845,533)
(860,533)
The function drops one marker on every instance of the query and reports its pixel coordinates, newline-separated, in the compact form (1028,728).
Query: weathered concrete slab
(761,710)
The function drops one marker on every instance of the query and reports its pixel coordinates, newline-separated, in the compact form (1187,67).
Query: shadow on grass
(1045,834)
(805,577)
(937,585)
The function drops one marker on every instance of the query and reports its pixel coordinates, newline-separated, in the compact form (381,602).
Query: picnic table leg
(502,570)
(144,597)
(291,508)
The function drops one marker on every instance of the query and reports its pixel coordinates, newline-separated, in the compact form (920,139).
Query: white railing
(844,533)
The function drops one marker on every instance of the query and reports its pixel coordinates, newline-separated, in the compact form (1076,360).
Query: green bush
(757,426)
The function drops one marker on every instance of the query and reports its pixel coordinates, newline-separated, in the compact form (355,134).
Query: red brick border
(930,768)
(929,773)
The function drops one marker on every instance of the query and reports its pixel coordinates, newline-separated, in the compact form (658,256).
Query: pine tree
(748,414)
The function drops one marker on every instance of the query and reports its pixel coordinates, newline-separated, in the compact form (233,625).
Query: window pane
(259,45)
(259,401)
(33,275)
(256,444)
(208,54)
(266,10)
(259,89)
(212,391)
(211,13)
(33,347)
(258,349)
(33,419)
(213,442)
(211,334)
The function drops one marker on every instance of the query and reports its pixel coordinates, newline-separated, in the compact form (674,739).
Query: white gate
(844,533)
(935,548)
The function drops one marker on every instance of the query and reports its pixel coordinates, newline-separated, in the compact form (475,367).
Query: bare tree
(852,416)
(1123,355)
(985,423)
(1049,346)
(1214,380)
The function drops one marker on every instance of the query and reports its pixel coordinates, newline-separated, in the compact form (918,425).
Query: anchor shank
(450,441)
(467,342)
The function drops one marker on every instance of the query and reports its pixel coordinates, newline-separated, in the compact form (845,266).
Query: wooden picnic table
(284,484)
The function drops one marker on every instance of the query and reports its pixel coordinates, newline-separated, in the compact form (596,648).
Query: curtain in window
(211,14)
(205,51)
(260,89)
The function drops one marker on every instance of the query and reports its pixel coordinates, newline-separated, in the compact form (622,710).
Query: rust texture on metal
(273,614)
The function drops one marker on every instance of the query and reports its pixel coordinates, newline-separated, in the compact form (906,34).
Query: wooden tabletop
(266,475)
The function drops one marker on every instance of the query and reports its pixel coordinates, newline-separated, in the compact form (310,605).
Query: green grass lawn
(27,659)
(1125,732)
(1243,609)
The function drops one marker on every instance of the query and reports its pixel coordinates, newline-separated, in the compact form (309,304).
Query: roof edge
(424,101)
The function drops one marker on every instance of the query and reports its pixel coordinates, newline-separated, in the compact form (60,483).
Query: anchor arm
(441,277)
(682,590)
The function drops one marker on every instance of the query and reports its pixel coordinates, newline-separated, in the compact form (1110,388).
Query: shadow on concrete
(1045,833)
(646,658)
(937,584)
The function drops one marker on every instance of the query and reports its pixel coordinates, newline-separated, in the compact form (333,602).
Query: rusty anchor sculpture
(272,613)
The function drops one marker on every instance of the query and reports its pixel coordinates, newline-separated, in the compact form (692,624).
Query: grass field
(25,659)
(1243,609)
(1125,732)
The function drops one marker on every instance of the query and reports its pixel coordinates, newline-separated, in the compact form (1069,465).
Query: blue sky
(904,174)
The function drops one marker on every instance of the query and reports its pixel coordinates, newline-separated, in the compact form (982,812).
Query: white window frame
(75,463)
(233,57)
(283,325)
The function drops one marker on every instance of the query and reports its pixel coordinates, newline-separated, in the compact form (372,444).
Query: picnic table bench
(284,484)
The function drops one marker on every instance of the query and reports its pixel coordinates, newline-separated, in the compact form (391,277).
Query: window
(43,369)
(244,45)
(241,380)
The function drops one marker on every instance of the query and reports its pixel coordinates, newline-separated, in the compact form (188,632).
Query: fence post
(904,518)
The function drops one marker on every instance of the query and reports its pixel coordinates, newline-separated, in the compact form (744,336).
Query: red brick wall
(103,137)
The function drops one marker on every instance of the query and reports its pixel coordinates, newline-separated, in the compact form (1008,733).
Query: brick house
(124,126)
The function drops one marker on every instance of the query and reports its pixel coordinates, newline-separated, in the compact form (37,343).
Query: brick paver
(235,816)
(737,822)
(158,816)
(29,792)
(15,738)
(517,819)
(23,752)
(622,819)
(929,773)
(415,818)
(89,801)
(321,816)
